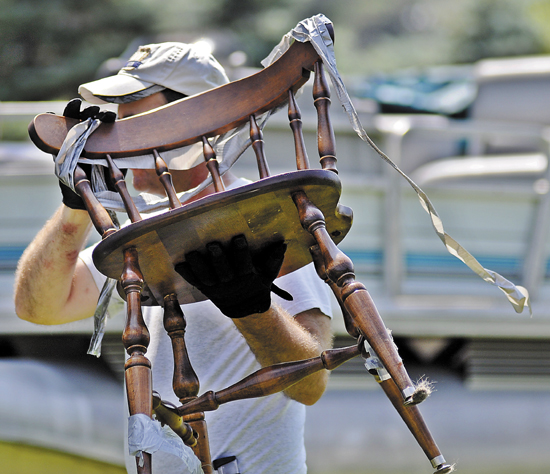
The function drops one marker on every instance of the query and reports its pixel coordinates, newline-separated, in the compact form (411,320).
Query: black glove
(69,197)
(72,110)
(236,281)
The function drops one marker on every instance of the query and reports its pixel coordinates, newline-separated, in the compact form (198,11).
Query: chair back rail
(186,121)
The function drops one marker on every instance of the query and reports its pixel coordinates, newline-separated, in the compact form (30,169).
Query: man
(56,283)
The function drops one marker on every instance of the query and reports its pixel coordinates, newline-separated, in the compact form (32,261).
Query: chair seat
(259,210)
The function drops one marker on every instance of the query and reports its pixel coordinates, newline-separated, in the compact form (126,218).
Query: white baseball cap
(182,67)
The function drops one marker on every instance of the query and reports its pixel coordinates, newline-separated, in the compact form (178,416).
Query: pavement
(482,431)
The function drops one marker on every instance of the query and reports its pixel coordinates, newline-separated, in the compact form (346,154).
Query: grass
(25,459)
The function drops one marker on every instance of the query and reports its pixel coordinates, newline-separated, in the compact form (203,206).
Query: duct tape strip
(374,363)
(147,435)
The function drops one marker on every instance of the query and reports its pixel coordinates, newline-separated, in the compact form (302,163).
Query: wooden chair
(308,217)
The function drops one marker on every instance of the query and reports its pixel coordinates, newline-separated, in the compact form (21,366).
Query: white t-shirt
(265,434)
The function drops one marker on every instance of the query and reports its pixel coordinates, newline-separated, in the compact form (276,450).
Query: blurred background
(456,92)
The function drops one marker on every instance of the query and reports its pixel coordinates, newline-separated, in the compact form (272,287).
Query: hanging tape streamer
(315,31)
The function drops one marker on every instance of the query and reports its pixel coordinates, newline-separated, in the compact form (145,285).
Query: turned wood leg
(354,296)
(415,422)
(185,382)
(202,448)
(409,414)
(136,340)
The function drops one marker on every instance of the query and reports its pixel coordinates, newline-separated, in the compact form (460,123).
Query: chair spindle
(166,179)
(120,185)
(167,416)
(325,133)
(212,165)
(257,139)
(270,380)
(295,121)
(100,217)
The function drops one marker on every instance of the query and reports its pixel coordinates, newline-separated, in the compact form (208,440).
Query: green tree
(498,29)
(47,48)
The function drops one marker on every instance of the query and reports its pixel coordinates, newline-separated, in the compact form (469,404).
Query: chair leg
(354,296)
(415,422)
(202,448)
(185,381)
(136,340)
(410,414)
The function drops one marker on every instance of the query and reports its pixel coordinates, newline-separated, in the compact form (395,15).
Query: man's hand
(236,281)
(72,110)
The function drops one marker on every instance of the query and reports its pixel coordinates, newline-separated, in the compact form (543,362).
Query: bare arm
(275,337)
(52,286)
